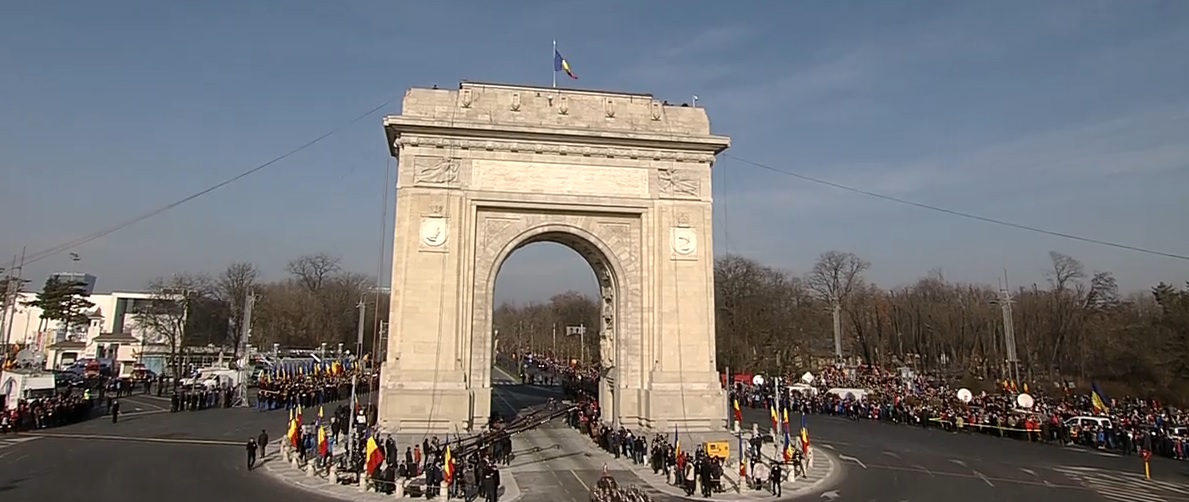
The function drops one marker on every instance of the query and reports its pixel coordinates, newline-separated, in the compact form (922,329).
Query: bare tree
(312,271)
(232,288)
(833,278)
(1066,270)
(164,318)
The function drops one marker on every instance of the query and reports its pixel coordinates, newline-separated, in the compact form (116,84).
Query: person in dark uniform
(775,476)
(489,489)
(115,412)
(261,441)
(252,447)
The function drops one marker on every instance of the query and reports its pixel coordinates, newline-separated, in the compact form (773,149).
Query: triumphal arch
(623,179)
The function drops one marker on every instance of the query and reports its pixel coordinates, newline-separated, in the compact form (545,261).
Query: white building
(111,333)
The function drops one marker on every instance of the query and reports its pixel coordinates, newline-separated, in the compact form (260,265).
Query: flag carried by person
(1098,399)
(788,446)
(323,442)
(738,413)
(787,428)
(449,467)
(775,418)
(676,443)
(293,433)
(373,454)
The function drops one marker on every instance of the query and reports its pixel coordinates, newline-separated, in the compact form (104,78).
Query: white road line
(891,454)
(958,462)
(853,459)
(923,468)
(980,475)
(579,478)
(1029,472)
(829,447)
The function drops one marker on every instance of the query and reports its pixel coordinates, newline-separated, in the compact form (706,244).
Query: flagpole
(554,56)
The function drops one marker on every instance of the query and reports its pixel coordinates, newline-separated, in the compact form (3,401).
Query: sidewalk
(821,473)
(274,466)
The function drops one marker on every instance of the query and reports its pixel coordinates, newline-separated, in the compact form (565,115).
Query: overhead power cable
(960,214)
(59,249)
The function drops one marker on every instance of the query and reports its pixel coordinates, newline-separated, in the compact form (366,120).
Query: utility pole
(554,355)
(13,284)
(244,344)
(355,379)
(1009,331)
(579,330)
(9,292)
(836,310)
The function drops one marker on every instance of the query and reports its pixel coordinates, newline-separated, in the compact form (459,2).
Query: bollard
(736,427)
(362,482)
(445,490)
(310,469)
(399,491)
(333,475)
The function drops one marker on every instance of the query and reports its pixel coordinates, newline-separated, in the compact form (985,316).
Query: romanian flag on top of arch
(560,64)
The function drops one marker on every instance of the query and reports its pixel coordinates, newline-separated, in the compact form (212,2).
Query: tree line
(315,302)
(1076,327)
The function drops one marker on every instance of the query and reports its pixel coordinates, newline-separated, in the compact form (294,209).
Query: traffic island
(821,472)
(283,465)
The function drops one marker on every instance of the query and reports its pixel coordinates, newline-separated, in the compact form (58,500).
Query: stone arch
(608,243)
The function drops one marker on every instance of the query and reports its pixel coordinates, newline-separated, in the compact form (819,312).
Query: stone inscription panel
(558,179)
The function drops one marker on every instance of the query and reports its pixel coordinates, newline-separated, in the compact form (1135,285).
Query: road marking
(923,468)
(214,442)
(958,462)
(579,478)
(891,454)
(853,459)
(1029,472)
(980,475)
(829,447)
(139,413)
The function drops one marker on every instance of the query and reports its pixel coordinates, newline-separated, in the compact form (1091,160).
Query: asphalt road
(194,456)
(149,455)
(554,463)
(886,462)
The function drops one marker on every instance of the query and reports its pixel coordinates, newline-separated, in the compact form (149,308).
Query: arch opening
(552,341)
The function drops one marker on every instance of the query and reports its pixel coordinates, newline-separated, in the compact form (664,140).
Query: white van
(1085,421)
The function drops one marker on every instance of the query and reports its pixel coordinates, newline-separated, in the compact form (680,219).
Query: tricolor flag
(738,413)
(449,474)
(676,443)
(294,432)
(323,442)
(787,428)
(775,418)
(788,446)
(1098,399)
(374,455)
(804,435)
(560,64)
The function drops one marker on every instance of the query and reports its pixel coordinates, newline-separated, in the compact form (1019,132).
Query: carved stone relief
(563,105)
(609,108)
(656,111)
(435,170)
(434,231)
(468,97)
(684,241)
(677,182)
(607,334)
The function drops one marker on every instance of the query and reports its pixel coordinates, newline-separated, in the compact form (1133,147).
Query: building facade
(111,332)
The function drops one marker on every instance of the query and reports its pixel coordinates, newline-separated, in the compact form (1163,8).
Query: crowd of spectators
(1126,425)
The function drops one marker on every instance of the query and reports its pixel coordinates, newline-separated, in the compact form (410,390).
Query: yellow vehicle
(718,449)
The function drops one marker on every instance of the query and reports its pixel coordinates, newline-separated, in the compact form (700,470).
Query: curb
(274,466)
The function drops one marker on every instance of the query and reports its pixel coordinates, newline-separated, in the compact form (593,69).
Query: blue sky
(1070,115)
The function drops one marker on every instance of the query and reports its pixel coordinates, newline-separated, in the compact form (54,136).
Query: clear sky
(1070,115)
